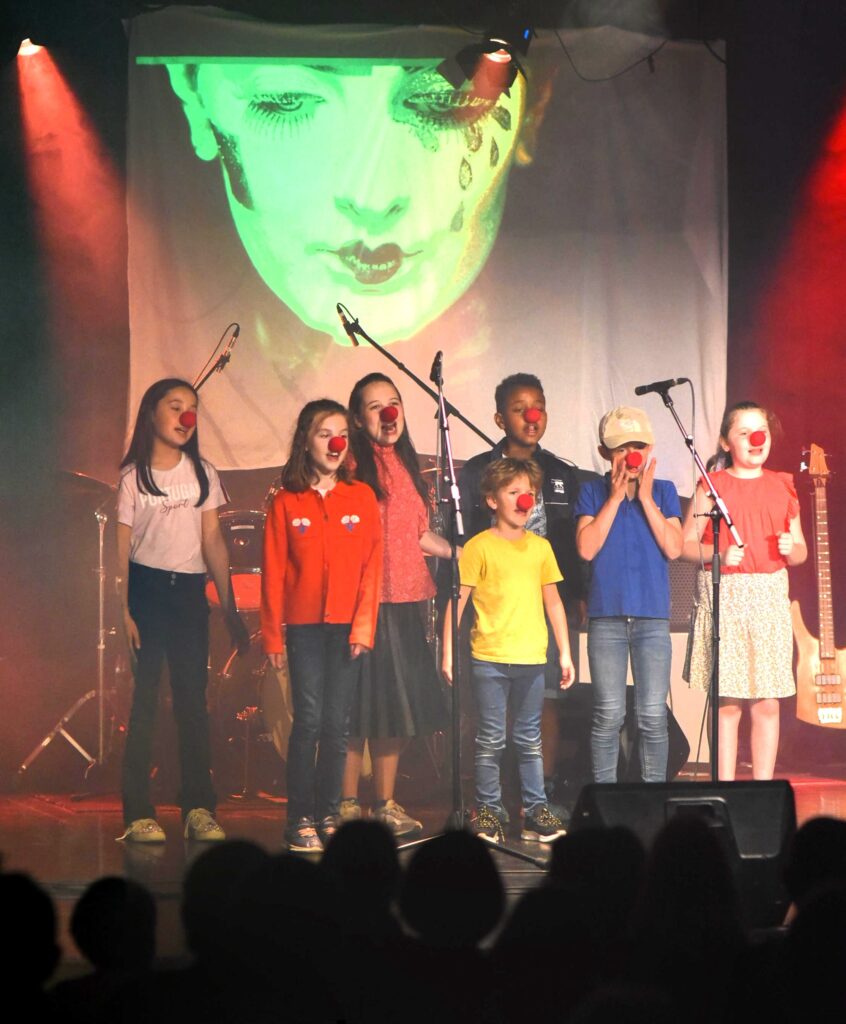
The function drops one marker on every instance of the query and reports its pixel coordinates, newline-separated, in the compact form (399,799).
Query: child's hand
(356,650)
(734,555)
(785,544)
(277,659)
(132,634)
(568,672)
(446,668)
(647,478)
(619,477)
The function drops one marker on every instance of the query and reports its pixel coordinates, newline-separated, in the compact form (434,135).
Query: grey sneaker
(350,809)
(143,830)
(394,817)
(201,826)
(301,837)
(542,826)
(485,823)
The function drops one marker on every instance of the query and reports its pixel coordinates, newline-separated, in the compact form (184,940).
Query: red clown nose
(337,445)
(757,438)
(532,415)
(388,413)
(188,418)
(633,460)
(525,502)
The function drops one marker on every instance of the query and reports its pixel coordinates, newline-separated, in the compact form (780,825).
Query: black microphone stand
(356,328)
(718,514)
(457,816)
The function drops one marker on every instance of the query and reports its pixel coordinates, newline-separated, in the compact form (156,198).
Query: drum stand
(59,729)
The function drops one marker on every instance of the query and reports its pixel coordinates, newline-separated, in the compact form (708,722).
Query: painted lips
(371,266)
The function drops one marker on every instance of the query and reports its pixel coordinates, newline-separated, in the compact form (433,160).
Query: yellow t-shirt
(507,577)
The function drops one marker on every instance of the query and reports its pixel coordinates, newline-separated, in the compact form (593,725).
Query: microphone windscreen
(634,460)
(188,418)
(525,502)
(388,413)
(532,415)
(337,444)
(757,438)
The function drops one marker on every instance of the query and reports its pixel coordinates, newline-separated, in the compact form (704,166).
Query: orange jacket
(322,563)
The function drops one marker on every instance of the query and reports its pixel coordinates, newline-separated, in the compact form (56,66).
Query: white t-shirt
(167,529)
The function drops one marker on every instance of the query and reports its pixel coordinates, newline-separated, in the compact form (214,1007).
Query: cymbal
(80,485)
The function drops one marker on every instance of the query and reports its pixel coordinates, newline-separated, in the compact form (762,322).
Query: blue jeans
(496,685)
(610,642)
(323,678)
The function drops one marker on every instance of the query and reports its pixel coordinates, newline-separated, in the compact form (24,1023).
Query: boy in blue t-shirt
(629,527)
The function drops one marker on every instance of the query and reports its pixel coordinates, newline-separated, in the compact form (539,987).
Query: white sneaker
(201,826)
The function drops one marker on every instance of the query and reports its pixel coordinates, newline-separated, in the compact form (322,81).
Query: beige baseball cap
(625,424)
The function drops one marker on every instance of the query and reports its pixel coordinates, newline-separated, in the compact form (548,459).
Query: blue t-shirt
(630,575)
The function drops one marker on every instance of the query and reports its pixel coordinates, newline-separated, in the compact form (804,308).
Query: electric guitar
(820,667)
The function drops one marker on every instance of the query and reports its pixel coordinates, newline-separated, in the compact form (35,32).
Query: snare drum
(243,532)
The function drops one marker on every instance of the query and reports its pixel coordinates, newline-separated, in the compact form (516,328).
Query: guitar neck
(822,560)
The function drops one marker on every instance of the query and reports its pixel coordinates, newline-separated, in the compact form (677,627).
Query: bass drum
(252,713)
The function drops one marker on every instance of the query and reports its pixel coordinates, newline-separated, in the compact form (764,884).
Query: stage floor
(65,843)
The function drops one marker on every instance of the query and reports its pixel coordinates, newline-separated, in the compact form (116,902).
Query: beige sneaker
(395,818)
(201,826)
(143,830)
(350,809)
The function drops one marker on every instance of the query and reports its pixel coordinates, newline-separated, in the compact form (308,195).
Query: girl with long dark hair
(168,536)
(399,691)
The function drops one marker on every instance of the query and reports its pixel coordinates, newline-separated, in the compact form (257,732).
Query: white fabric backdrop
(608,269)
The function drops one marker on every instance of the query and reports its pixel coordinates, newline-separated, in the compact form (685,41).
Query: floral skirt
(756,636)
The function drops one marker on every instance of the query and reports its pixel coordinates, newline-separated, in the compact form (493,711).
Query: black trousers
(172,615)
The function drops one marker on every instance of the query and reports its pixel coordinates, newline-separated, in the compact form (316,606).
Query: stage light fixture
(28,48)
(492,64)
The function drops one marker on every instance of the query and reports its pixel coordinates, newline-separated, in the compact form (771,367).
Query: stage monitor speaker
(756,822)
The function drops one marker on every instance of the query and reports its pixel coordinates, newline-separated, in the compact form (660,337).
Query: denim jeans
(172,615)
(496,686)
(323,678)
(610,643)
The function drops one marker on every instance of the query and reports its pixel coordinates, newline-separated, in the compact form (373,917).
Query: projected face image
(379,186)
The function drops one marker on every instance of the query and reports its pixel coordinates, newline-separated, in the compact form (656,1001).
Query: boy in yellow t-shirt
(512,576)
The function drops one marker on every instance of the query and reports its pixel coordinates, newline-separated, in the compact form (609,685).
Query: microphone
(348,327)
(436,374)
(660,385)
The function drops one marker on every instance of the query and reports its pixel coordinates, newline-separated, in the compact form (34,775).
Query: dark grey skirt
(399,690)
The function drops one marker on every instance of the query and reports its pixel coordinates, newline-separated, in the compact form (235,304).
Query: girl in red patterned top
(756,639)
(399,691)
(319,599)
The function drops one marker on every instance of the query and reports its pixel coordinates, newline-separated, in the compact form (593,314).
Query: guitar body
(819,685)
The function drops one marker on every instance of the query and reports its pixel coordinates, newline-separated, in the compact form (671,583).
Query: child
(629,526)
(167,534)
(756,648)
(319,598)
(512,576)
(521,414)
(399,690)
